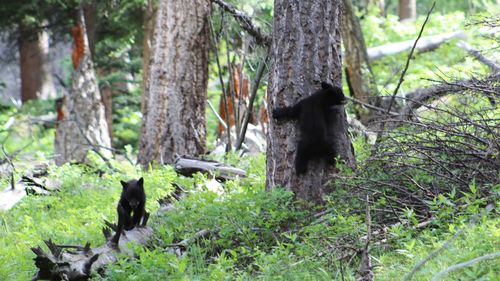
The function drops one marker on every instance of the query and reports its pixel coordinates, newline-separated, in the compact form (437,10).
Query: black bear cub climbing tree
(313,114)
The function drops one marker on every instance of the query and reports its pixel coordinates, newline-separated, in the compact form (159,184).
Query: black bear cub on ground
(314,116)
(132,200)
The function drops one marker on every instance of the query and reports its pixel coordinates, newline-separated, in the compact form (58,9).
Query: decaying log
(167,203)
(425,44)
(188,166)
(39,186)
(32,183)
(180,248)
(79,263)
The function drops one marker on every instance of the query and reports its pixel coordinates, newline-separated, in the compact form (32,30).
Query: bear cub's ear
(140,182)
(124,184)
(326,85)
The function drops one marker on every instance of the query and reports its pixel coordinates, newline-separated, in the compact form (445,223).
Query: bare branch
(471,50)
(420,97)
(401,78)
(246,23)
(465,264)
(224,97)
(255,86)
(433,254)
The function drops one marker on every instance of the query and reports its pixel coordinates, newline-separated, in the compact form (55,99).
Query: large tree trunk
(361,81)
(36,77)
(305,51)
(407,10)
(83,126)
(174,112)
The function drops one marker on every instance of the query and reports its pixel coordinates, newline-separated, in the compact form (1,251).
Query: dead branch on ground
(188,166)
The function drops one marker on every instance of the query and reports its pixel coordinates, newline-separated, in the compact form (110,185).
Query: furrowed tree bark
(305,51)
(361,80)
(149,24)
(82,126)
(36,77)
(174,109)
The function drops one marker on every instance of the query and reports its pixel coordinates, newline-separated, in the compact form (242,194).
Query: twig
(465,264)
(204,233)
(241,98)
(433,254)
(246,23)
(94,147)
(232,89)
(471,50)
(255,87)
(365,272)
(370,106)
(401,78)
(221,80)
(217,114)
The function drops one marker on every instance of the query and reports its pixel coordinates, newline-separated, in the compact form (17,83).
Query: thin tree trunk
(407,10)
(36,77)
(360,78)
(83,126)
(305,51)
(147,43)
(90,14)
(174,112)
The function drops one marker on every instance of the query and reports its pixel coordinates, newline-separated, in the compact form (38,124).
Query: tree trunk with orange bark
(82,125)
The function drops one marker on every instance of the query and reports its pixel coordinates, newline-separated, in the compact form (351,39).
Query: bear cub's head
(133,193)
(333,94)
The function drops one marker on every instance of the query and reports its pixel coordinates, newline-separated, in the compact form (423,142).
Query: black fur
(313,114)
(132,200)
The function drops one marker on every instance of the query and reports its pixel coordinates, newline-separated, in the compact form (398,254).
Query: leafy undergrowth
(74,215)
(266,235)
(258,235)
(475,241)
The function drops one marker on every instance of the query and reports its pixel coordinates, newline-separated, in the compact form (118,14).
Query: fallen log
(180,248)
(32,183)
(78,264)
(425,44)
(422,96)
(188,166)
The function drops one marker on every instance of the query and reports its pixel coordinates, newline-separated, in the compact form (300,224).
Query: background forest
(181,93)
